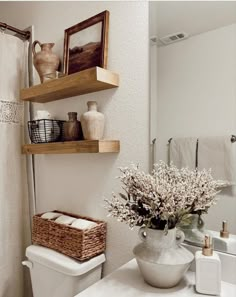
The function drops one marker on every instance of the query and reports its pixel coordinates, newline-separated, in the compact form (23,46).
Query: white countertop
(128,282)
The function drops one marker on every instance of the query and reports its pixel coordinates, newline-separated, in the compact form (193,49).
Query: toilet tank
(56,275)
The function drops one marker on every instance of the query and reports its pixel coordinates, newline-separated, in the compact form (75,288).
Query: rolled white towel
(83,224)
(50,215)
(42,114)
(66,220)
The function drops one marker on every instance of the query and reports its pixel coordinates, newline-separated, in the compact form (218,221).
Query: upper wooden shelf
(84,82)
(73,147)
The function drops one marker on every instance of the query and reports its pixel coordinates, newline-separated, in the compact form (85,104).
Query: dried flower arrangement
(163,199)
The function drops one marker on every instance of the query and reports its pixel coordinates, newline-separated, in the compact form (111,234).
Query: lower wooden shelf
(73,147)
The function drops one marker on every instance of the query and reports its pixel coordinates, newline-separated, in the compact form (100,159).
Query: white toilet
(56,275)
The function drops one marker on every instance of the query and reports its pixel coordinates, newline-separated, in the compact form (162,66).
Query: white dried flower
(162,199)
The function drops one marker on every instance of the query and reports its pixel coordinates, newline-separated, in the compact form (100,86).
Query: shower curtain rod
(25,34)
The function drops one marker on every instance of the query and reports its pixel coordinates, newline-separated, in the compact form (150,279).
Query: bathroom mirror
(193,88)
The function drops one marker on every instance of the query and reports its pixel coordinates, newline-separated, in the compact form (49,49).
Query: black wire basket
(44,131)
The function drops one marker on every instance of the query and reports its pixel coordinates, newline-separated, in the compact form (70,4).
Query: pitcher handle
(34,45)
(179,236)
(142,233)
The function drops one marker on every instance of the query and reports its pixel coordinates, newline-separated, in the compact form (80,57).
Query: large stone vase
(194,231)
(45,61)
(161,258)
(92,122)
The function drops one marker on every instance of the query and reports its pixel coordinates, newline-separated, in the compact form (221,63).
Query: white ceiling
(192,17)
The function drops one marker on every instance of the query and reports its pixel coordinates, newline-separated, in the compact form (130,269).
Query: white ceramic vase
(92,122)
(161,258)
(194,232)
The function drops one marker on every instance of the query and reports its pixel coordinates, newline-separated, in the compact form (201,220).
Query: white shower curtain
(13,194)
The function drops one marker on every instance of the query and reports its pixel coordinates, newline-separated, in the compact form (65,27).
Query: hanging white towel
(183,152)
(217,153)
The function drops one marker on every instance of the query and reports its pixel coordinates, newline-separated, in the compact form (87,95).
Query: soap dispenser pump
(224,233)
(208,269)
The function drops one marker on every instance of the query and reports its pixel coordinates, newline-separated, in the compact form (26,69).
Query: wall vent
(174,37)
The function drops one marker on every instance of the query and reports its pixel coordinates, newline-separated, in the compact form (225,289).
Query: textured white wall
(197,97)
(154,100)
(78,183)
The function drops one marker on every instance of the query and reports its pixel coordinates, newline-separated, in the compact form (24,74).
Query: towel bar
(233,139)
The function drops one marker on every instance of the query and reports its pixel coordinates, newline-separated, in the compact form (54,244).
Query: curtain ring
(3,29)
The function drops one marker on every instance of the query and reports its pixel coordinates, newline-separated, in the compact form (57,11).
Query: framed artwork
(86,44)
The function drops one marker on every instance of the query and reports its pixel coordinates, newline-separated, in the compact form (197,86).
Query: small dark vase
(72,128)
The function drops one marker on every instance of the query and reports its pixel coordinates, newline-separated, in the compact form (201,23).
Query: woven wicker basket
(79,244)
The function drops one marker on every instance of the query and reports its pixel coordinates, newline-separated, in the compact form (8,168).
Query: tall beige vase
(45,61)
(92,122)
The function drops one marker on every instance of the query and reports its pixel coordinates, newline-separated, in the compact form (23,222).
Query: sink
(227,245)
(127,281)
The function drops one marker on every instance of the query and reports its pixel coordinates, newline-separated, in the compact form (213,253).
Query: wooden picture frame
(80,56)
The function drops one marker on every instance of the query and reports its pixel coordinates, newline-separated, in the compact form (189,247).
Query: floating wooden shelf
(73,147)
(84,82)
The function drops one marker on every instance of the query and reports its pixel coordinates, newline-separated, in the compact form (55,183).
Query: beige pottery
(161,258)
(45,61)
(92,122)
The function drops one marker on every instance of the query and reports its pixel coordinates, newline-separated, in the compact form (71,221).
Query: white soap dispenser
(208,270)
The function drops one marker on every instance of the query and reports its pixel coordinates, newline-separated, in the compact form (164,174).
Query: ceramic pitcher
(45,61)
(161,258)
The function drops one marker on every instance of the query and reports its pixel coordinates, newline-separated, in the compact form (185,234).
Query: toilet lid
(60,262)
